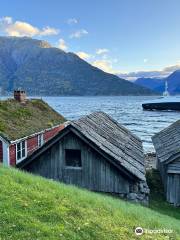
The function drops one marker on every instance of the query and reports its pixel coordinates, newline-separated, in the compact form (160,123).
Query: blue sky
(120,36)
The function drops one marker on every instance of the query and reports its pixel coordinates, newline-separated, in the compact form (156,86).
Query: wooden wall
(171,178)
(173,189)
(12,154)
(96,173)
(174,167)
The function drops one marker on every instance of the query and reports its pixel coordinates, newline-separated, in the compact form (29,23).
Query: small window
(40,140)
(21,150)
(73,158)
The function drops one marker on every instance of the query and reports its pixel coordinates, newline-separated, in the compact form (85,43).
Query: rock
(143,187)
(132,196)
(140,197)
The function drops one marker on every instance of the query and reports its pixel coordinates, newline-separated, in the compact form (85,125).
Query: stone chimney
(20,96)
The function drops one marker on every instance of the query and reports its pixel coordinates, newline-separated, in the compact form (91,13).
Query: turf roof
(19,120)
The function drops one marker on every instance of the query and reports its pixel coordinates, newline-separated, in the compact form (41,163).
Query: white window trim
(5,148)
(19,160)
(40,139)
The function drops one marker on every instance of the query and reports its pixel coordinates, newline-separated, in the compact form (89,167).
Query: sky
(131,38)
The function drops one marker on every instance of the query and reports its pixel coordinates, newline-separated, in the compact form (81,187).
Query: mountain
(41,69)
(158,85)
(174,82)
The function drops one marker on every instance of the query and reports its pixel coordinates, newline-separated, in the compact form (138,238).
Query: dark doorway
(73,158)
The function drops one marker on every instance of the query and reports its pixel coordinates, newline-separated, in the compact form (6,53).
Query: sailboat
(166,102)
(166,93)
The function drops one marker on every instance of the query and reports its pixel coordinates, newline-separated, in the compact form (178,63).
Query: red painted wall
(32,143)
(1,152)
(49,134)
(12,154)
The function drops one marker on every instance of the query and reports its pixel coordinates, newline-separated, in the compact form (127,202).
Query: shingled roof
(114,139)
(167,142)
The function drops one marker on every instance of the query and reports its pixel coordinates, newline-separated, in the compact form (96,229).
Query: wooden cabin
(167,145)
(25,125)
(94,152)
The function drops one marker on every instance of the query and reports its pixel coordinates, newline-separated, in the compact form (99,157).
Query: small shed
(167,146)
(97,153)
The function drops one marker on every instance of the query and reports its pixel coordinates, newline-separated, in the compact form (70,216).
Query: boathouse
(25,125)
(167,146)
(94,152)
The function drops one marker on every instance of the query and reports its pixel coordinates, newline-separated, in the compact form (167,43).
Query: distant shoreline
(40,96)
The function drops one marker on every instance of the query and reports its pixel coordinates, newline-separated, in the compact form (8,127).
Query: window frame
(65,162)
(21,151)
(40,140)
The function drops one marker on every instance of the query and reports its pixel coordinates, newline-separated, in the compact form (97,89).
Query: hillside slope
(174,82)
(34,208)
(155,84)
(41,69)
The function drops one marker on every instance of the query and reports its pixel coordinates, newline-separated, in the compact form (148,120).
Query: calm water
(126,110)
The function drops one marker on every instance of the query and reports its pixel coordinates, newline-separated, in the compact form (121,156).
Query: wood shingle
(167,142)
(114,139)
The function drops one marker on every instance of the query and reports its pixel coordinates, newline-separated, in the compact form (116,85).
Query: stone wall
(139,193)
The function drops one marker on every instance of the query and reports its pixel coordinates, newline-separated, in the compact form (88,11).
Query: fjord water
(127,110)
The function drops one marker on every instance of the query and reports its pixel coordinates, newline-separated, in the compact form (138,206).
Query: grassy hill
(35,208)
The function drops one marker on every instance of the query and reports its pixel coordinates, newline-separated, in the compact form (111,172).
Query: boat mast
(166,93)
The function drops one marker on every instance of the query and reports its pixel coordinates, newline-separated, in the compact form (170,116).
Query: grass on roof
(32,207)
(18,120)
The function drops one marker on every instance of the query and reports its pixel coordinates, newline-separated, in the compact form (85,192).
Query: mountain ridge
(41,69)
(158,84)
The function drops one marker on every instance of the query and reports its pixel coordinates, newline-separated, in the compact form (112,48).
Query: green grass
(19,120)
(35,208)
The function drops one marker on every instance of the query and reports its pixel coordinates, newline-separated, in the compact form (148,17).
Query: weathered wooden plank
(129,163)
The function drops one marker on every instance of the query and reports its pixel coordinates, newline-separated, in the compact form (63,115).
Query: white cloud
(79,33)
(6,20)
(72,21)
(84,55)
(20,29)
(104,65)
(62,44)
(49,31)
(151,74)
(102,51)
